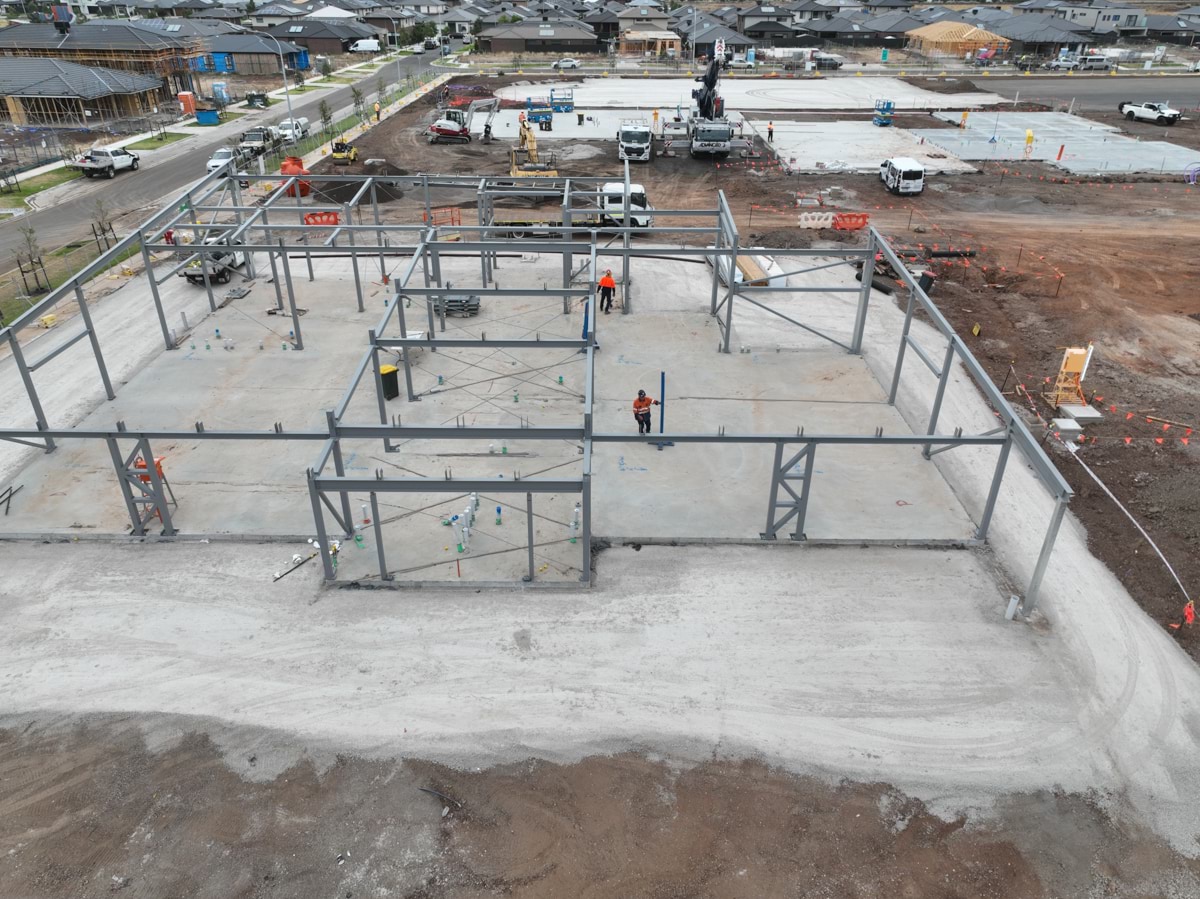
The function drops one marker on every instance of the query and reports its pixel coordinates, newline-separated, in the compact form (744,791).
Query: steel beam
(30,391)
(1039,572)
(448,485)
(864,296)
(554,343)
(86,315)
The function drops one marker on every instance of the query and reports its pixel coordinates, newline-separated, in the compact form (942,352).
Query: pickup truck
(106,162)
(294,129)
(221,265)
(1150,112)
(258,141)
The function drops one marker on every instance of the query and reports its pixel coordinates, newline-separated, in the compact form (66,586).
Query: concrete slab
(850,147)
(1068,426)
(757,93)
(1082,413)
(1087,147)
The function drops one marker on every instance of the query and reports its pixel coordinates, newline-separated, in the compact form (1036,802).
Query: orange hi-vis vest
(642,404)
(607,281)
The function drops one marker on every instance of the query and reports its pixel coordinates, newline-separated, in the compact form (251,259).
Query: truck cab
(902,175)
(612,203)
(634,141)
(711,137)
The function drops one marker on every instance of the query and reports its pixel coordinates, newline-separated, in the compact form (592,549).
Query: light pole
(282,67)
(396,47)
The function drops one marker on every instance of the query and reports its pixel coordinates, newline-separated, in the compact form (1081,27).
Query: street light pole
(282,66)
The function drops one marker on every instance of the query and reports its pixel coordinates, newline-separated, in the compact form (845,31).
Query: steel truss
(275,227)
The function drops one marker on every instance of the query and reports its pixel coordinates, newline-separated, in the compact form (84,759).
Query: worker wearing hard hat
(641,411)
(607,287)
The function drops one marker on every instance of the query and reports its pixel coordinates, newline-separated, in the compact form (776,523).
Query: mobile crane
(709,131)
(454,125)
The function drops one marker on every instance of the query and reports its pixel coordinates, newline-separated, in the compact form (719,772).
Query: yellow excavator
(525,160)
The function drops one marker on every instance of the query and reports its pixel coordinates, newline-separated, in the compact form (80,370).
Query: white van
(365,45)
(902,175)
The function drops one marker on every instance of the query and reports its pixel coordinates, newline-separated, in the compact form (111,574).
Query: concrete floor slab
(850,147)
(1087,147)
(757,93)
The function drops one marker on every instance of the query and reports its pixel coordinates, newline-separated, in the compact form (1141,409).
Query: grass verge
(27,187)
(153,143)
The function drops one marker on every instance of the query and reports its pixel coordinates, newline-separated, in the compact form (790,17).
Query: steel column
(732,289)
(864,297)
(586,577)
(529,527)
(908,317)
(997,478)
(1039,571)
(947,363)
(149,268)
(319,522)
(340,468)
(716,261)
(135,517)
(91,332)
(291,294)
(358,291)
(404,350)
(626,299)
(383,569)
(30,391)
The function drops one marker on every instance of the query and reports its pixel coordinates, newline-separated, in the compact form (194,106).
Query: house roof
(248,43)
(181,27)
(532,30)
(768,9)
(956,32)
(1170,23)
(1039,28)
(836,25)
(279,9)
(102,35)
(23,77)
(894,23)
(316,28)
(331,12)
(770,26)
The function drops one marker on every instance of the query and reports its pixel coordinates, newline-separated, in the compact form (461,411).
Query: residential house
(748,18)
(391,20)
(707,35)
(274,14)
(1173,29)
(332,14)
(539,36)
(456,21)
(807,10)
(1191,14)
(894,26)
(842,30)
(605,23)
(881,6)
(1096,15)
(324,38)
(643,18)
(955,39)
(250,54)
(105,43)
(1041,35)
(774,34)
(58,93)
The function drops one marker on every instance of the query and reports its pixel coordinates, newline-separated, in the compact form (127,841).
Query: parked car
(566,63)
(1093,64)
(222,156)
(745,65)
(1159,113)
(365,45)
(105,161)
(1061,63)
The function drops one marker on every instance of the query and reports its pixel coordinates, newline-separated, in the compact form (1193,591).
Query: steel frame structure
(275,226)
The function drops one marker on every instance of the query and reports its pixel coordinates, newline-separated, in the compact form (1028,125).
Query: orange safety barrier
(321,218)
(444,215)
(850,221)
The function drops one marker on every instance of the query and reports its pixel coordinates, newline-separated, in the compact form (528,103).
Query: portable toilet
(187,102)
(220,91)
(750,55)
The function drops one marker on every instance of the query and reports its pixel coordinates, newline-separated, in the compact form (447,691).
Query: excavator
(525,160)
(454,126)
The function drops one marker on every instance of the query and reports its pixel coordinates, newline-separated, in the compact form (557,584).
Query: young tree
(29,239)
(357,94)
(299,79)
(380,87)
(326,67)
(251,7)
(326,116)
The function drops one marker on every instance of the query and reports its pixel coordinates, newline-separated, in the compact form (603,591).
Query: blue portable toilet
(220,91)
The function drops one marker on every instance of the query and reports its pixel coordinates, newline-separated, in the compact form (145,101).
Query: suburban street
(180,164)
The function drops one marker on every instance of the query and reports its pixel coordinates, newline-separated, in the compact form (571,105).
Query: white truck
(902,175)
(634,141)
(293,130)
(710,137)
(612,214)
(1160,113)
(106,161)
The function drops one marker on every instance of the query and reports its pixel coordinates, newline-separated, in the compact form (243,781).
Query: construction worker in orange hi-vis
(607,287)
(641,411)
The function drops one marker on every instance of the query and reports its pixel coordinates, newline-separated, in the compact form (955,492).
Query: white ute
(902,175)
(1150,112)
(106,162)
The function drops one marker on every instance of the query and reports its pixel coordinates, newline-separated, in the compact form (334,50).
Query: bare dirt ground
(88,809)
(1061,261)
